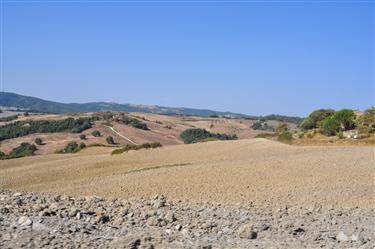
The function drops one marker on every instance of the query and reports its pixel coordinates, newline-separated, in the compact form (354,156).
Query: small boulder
(246,232)
(169,217)
(342,237)
(25,221)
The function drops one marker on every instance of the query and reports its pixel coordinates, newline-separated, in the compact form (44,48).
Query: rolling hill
(14,100)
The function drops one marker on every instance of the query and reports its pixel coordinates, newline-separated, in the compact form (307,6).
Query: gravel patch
(35,220)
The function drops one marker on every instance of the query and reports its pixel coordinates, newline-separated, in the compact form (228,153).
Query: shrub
(25,149)
(370,110)
(82,137)
(265,135)
(340,135)
(128,147)
(346,118)
(256,125)
(315,118)
(2,154)
(168,127)
(196,135)
(282,128)
(38,141)
(330,126)
(285,136)
(110,140)
(26,114)
(311,134)
(96,133)
(341,121)
(366,120)
(72,147)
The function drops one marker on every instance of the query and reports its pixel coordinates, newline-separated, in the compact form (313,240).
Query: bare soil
(254,170)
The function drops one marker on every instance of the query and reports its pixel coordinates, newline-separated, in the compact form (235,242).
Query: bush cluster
(315,119)
(195,135)
(25,149)
(96,133)
(128,147)
(125,119)
(23,128)
(72,147)
(341,121)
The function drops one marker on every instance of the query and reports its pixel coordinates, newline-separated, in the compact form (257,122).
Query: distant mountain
(39,105)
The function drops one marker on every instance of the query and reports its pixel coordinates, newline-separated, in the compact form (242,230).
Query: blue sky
(253,57)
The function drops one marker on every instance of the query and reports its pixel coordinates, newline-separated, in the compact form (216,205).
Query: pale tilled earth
(251,193)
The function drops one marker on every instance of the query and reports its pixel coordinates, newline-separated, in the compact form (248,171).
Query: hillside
(165,129)
(39,105)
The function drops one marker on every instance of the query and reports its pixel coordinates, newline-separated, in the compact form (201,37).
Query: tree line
(23,128)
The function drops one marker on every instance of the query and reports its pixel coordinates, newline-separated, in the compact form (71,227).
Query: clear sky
(253,57)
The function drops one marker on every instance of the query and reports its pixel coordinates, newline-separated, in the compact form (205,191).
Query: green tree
(71,147)
(341,121)
(25,149)
(315,118)
(38,141)
(346,118)
(330,126)
(110,140)
(195,135)
(96,133)
(82,137)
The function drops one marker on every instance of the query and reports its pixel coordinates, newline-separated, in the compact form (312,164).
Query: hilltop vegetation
(125,119)
(195,135)
(331,122)
(335,123)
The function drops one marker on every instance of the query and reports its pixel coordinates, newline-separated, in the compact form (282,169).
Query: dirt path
(126,138)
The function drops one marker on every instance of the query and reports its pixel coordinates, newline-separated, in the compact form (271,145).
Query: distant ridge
(8,99)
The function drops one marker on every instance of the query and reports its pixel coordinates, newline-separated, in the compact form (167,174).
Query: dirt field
(231,172)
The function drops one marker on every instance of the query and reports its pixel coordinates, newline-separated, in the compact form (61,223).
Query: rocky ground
(35,220)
